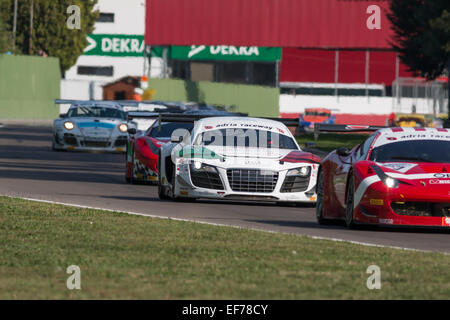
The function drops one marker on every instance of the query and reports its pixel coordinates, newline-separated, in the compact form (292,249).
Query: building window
(106,17)
(95,71)
(232,72)
(253,73)
(264,74)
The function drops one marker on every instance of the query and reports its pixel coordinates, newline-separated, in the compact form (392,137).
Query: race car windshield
(245,138)
(436,151)
(96,112)
(167,128)
(320,114)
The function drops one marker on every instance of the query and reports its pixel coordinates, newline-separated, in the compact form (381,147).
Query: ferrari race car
(143,147)
(237,158)
(398,176)
(91,126)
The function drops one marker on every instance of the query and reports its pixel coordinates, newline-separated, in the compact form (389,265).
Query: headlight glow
(123,128)
(199,166)
(387,180)
(69,125)
(302,172)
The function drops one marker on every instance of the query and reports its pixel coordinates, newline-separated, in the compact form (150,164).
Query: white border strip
(226,225)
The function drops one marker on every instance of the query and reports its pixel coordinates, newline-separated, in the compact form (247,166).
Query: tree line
(48,31)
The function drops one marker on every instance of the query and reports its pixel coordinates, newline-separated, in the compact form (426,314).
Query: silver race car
(91,126)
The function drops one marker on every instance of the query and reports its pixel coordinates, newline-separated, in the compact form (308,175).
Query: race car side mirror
(343,152)
(62,115)
(176,139)
(132,131)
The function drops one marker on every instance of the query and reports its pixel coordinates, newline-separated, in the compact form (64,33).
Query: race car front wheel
(175,197)
(349,221)
(127,178)
(319,205)
(161,189)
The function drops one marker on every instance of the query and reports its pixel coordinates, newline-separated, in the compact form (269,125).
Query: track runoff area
(30,170)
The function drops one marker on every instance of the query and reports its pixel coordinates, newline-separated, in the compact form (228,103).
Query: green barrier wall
(28,87)
(254,100)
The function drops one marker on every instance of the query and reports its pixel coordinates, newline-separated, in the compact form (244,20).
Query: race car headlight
(69,125)
(388,181)
(302,172)
(199,166)
(123,128)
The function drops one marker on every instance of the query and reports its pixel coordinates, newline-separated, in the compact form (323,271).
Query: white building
(115,50)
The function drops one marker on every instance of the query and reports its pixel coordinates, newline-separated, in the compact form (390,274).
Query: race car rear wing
(325,127)
(142,115)
(289,122)
(121,102)
(179,117)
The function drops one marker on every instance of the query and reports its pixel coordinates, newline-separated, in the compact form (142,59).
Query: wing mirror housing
(343,152)
(132,131)
(62,115)
(176,139)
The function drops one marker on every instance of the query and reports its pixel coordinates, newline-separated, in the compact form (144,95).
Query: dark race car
(398,176)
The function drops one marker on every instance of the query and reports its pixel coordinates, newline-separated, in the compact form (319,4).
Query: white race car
(237,158)
(91,126)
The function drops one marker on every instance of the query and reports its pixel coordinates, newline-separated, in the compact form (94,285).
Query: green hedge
(254,100)
(28,87)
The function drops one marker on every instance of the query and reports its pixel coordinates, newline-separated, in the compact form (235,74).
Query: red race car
(398,176)
(143,149)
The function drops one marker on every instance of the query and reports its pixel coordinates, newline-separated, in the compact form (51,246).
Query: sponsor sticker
(436,181)
(442,175)
(398,166)
(445,221)
(386,221)
(376,202)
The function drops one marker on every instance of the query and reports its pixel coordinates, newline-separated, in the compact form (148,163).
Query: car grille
(121,141)
(206,180)
(251,180)
(295,184)
(70,139)
(424,209)
(95,144)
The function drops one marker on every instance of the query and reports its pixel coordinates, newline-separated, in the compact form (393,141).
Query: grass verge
(132,257)
(331,141)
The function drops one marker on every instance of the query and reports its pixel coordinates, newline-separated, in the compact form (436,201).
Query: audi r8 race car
(91,126)
(237,158)
(398,176)
(143,145)
(143,149)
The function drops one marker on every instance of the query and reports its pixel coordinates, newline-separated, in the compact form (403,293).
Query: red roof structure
(273,23)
